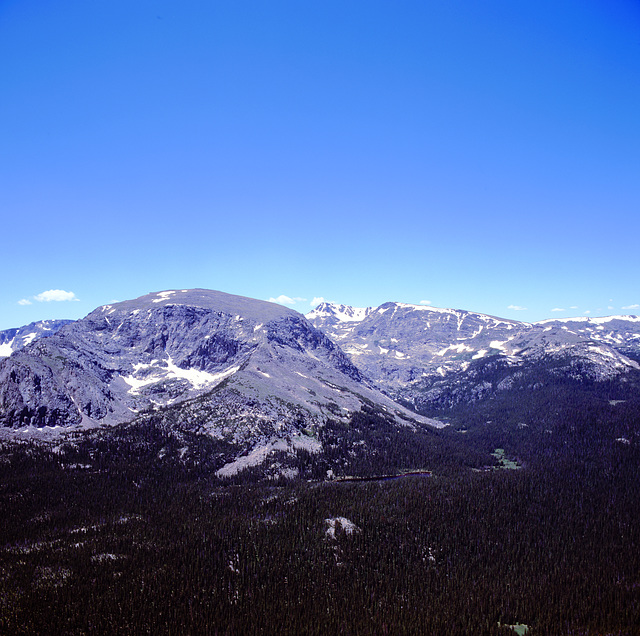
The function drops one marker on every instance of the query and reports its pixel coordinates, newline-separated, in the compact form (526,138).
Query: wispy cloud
(558,309)
(51,295)
(286,300)
(317,300)
(636,306)
(517,308)
(426,302)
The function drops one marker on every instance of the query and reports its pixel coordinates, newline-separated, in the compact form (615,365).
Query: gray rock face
(264,362)
(14,339)
(405,347)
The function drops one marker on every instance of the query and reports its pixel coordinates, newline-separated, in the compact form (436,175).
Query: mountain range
(413,351)
(262,380)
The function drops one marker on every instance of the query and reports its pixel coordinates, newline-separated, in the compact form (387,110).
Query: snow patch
(435,310)
(198,379)
(6,349)
(163,296)
(352,314)
(28,339)
(459,348)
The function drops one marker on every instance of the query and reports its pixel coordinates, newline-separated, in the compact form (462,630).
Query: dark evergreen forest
(119,533)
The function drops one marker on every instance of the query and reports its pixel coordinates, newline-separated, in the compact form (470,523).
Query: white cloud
(558,309)
(610,307)
(426,302)
(588,311)
(317,300)
(286,300)
(517,308)
(573,307)
(55,295)
(282,300)
(636,306)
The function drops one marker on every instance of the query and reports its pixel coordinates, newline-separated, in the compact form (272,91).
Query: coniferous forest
(528,522)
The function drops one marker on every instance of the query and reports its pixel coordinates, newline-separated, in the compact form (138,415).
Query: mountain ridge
(396,347)
(407,349)
(260,380)
(251,374)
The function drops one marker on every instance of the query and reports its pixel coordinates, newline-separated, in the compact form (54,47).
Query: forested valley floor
(128,544)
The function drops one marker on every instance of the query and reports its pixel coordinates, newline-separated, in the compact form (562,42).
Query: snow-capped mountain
(259,378)
(621,333)
(337,320)
(253,373)
(402,347)
(14,339)
(397,343)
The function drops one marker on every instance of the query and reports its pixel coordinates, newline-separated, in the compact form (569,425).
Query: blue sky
(476,155)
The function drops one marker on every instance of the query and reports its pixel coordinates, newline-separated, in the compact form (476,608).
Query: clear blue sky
(476,155)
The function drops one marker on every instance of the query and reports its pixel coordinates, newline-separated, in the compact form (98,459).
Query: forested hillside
(135,540)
